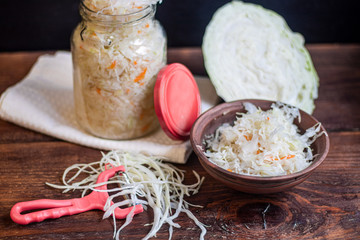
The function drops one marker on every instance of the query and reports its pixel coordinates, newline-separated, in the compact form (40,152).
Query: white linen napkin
(43,101)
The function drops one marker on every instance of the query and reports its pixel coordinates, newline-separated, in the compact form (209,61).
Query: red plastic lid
(177,100)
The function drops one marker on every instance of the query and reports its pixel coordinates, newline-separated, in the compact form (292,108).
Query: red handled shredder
(58,208)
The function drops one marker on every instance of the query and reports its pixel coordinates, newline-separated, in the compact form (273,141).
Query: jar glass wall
(116,59)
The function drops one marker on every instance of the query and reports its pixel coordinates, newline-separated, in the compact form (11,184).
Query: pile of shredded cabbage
(250,52)
(263,143)
(116,60)
(150,182)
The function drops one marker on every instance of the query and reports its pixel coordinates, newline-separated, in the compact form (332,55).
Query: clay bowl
(209,121)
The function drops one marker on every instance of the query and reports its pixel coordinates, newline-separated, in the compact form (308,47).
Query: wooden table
(326,206)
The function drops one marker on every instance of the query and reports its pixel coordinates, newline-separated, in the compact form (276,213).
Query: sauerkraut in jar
(118,50)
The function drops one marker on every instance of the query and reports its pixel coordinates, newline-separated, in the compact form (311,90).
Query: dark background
(47,24)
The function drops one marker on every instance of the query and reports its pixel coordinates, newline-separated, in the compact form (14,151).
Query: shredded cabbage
(116,60)
(150,183)
(263,143)
(250,52)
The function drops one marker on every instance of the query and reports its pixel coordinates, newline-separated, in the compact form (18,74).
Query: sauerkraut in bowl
(263,143)
(250,157)
(242,137)
(118,49)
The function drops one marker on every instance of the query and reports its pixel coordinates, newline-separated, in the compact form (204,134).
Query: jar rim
(135,16)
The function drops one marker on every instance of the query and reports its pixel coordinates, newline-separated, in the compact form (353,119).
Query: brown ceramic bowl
(209,121)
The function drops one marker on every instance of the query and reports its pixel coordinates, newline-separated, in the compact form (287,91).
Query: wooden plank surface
(326,206)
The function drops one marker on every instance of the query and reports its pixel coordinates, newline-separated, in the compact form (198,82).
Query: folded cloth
(43,101)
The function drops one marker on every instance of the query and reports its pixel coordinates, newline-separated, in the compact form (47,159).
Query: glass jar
(116,59)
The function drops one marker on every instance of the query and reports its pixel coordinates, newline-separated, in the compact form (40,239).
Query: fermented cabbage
(250,52)
(118,50)
(263,143)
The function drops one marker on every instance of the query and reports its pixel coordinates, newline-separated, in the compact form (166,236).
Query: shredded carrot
(268,118)
(93,6)
(135,62)
(127,91)
(248,138)
(147,25)
(140,76)
(277,159)
(81,47)
(112,66)
(271,158)
(229,170)
(94,34)
(138,7)
(98,90)
(258,151)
